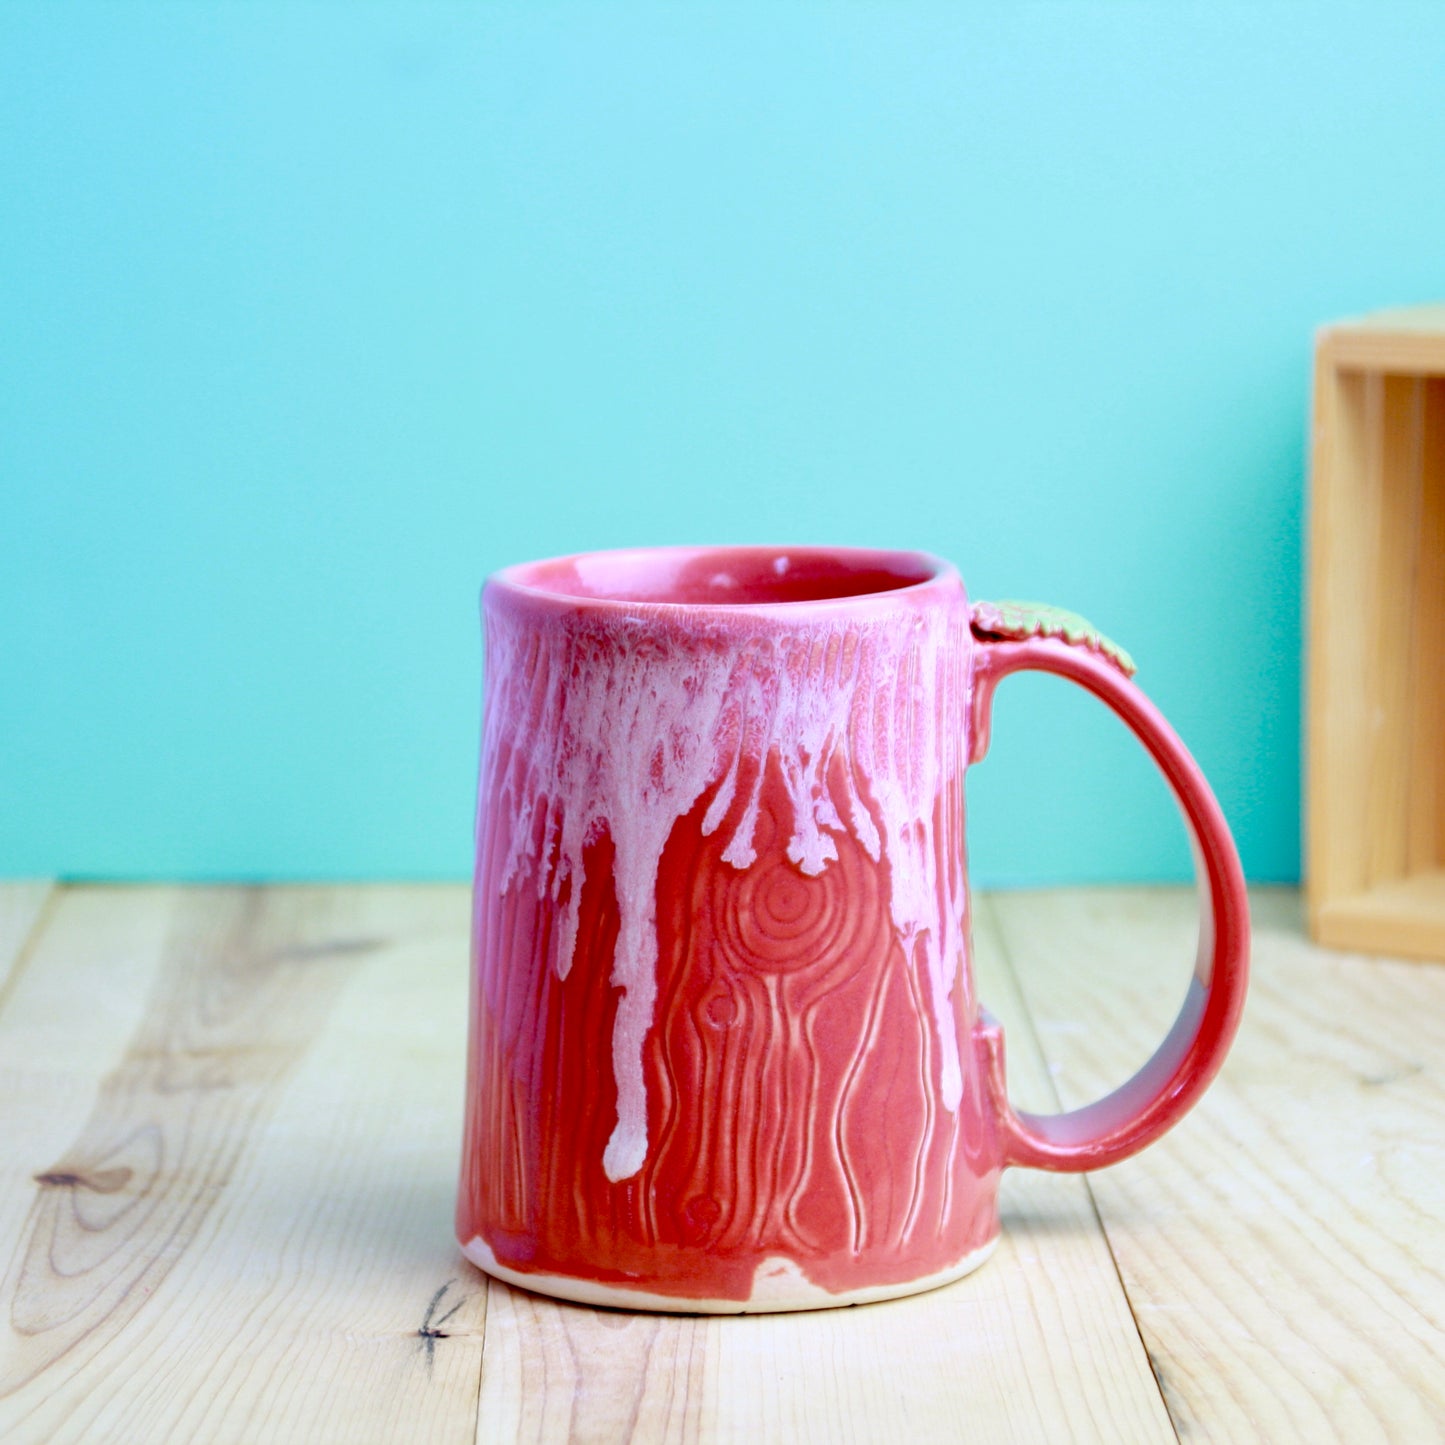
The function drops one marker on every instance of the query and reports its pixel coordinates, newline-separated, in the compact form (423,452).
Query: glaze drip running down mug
(725,1050)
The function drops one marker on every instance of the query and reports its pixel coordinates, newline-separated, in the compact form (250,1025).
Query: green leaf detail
(1018,621)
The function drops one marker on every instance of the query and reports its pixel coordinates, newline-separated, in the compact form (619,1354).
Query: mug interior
(726,576)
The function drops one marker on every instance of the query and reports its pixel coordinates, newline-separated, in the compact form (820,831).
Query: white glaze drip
(622,725)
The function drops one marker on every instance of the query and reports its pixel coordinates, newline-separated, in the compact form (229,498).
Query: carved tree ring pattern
(765,1033)
(773,918)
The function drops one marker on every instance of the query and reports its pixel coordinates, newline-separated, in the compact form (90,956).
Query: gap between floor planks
(22,909)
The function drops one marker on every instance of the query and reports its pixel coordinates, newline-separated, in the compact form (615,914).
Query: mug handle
(1016,637)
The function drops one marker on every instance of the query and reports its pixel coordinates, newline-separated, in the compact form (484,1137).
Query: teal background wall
(310,316)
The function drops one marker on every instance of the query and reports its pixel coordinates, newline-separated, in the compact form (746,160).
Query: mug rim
(920,574)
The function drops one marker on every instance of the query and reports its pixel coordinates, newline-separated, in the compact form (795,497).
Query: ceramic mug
(725,1050)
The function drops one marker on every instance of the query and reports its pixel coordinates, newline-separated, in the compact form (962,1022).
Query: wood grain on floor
(231,1124)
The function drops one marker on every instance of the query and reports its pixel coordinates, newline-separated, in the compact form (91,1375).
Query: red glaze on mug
(725,1050)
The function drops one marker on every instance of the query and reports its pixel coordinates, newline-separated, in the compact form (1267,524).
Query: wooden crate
(1375,717)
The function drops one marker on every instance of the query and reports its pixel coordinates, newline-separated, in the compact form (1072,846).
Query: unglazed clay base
(779,1285)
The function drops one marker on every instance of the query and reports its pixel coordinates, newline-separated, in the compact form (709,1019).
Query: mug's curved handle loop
(1019,637)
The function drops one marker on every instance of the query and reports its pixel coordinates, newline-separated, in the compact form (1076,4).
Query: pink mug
(725,1050)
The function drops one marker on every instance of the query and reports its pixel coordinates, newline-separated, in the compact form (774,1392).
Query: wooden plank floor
(229,1122)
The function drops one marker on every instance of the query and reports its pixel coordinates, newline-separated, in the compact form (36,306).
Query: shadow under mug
(725,1049)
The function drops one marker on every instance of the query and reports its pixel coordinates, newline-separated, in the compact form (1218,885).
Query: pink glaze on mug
(725,1053)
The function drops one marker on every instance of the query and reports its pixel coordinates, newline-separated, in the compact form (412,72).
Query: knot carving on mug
(773,918)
